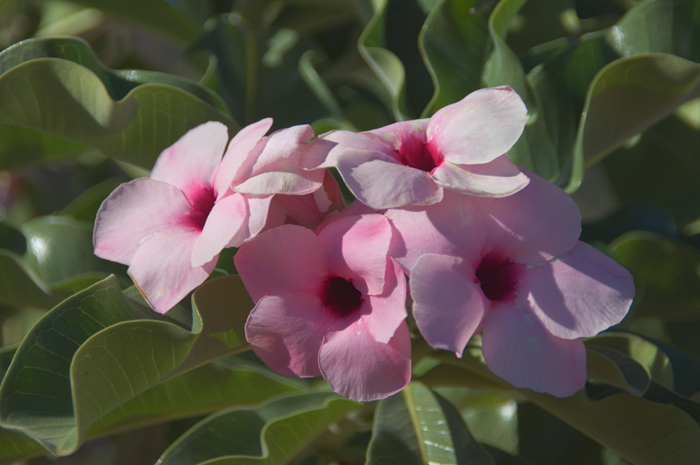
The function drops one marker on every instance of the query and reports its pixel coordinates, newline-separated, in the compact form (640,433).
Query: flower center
(341,295)
(202,201)
(414,152)
(498,276)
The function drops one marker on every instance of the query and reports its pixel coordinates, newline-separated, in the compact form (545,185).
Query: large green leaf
(271,433)
(419,426)
(629,96)
(645,432)
(669,271)
(455,44)
(60,248)
(99,349)
(20,286)
(673,29)
(56,99)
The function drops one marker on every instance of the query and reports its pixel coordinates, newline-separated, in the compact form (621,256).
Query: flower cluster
(487,248)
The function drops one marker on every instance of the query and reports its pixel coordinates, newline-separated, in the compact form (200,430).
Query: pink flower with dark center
(460,148)
(514,270)
(330,304)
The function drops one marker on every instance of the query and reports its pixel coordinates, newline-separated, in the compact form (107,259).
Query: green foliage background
(91,91)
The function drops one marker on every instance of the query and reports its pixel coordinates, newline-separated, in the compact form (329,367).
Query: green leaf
(157,15)
(630,95)
(98,349)
(419,426)
(639,430)
(60,248)
(455,44)
(271,433)
(128,115)
(673,30)
(669,271)
(20,286)
(385,64)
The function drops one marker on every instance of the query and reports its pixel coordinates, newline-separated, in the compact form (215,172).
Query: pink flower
(460,148)
(331,304)
(514,270)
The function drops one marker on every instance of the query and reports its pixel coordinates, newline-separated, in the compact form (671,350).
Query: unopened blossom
(514,270)
(170,227)
(460,148)
(329,304)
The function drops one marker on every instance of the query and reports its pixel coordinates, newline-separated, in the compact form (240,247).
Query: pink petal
(444,228)
(380,182)
(360,368)
(519,350)
(191,162)
(286,330)
(396,134)
(240,152)
(133,213)
(259,209)
(283,259)
(479,128)
(276,169)
(162,268)
(388,310)
(448,303)
(224,228)
(357,248)
(535,224)
(338,142)
(498,178)
(578,294)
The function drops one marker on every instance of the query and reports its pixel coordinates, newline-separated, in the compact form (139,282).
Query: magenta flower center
(341,295)
(202,200)
(498,276)
(416,153)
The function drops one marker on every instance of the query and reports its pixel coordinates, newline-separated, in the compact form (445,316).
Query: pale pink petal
(448,303)
(479,128)
(381,182)
(498,178)
(286,330)
(388,310)
(519,350)
(223,228)
(446,228)
(578,294)
(338,143)
(242,150)
(162,268)
(276,169)
(360,368)
(133,213)
(535,224)
(259,209)
(397,134)
(191,162)
(357,248)
(286,258)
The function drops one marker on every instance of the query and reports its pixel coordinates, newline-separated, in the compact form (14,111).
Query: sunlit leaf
(99,349)
(673,29)
(56,99)
(419,426)
(271,433)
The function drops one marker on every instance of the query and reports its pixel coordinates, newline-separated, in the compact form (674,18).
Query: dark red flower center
(202,200)
(498,276)
(341,295)
(416,153)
